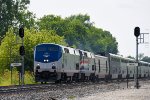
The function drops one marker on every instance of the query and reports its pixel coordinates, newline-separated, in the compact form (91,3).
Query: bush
(5,78)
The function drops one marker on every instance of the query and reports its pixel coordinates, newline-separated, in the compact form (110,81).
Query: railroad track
(62,91)
(50,86)
(26,88)
(19,88)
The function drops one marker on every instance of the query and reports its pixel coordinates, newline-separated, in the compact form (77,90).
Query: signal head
(21,32)
(137,31)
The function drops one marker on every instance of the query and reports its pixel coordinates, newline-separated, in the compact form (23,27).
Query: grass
(71,97)
(5,77)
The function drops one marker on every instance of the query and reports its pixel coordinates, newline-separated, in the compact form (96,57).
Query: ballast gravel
(83,91)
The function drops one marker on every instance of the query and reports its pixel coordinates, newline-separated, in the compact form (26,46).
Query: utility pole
(136,33)
(10,64)
(141,40)
(22,53)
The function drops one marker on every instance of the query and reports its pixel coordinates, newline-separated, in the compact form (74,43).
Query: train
(56,63)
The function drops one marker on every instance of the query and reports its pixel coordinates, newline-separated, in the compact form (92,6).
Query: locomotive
(55,63)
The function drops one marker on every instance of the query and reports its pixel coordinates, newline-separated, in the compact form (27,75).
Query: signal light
(22,50)
(21,32)
(137,31)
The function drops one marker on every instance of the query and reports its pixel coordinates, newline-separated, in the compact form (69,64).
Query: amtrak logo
(46,55)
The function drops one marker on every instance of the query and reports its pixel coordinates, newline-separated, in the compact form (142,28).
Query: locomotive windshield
(47,53)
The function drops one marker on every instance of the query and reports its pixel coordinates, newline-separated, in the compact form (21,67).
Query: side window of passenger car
(85,55)
(80,52)
(99,65)
(66,50)
(106,67)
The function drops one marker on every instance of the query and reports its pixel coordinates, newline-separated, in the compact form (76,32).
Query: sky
(119,17)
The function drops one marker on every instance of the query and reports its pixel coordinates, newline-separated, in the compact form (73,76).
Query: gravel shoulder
(142,93)
(86,91)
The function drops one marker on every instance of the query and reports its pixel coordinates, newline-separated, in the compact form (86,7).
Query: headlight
(53,67)
(37,67)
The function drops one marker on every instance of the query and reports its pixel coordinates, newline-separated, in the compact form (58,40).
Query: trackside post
(136,33)
(22,52)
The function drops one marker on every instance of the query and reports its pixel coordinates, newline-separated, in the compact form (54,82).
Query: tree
(146,59)
(13,13)
(130,57)
(9,47)
(140,56)
(51,22)
(79,32)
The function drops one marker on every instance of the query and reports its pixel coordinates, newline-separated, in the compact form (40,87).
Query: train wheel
(92,78)
(97,79)
(58,81)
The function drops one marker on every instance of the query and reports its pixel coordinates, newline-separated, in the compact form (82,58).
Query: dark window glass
(99,65)
(66,50)
(53,48)
(106,67)
(40,49)
(85,54)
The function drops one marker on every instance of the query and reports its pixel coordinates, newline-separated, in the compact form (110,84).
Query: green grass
(71,97)
(5,77)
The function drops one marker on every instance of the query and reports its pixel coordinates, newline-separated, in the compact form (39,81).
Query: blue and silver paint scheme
(47,62)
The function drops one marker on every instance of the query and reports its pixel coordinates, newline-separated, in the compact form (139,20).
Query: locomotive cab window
(54,48)
(40,49)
